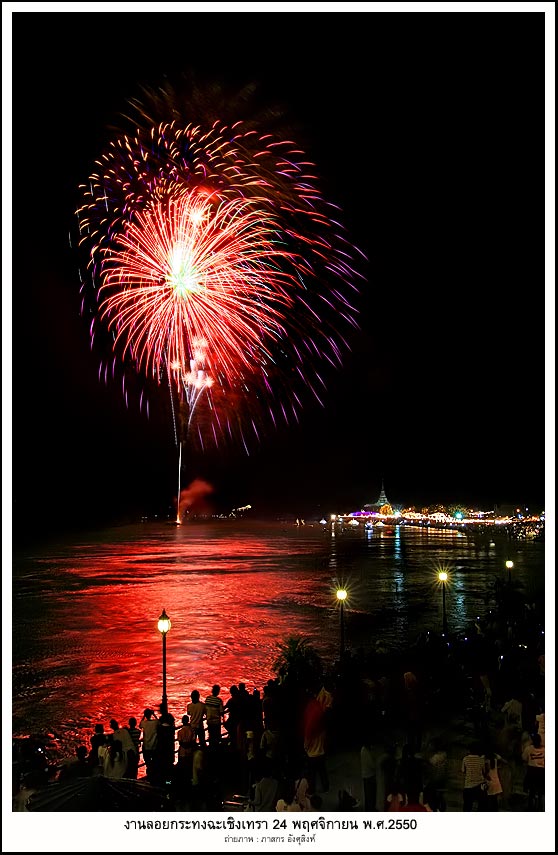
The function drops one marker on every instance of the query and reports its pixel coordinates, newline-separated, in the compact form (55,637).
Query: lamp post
(341,596)
(163,625)
(509,565)
(443,577)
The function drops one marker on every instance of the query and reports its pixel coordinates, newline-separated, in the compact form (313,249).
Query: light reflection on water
(85,642)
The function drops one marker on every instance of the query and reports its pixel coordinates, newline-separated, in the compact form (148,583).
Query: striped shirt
(473,766)
(135,733)
(214,708)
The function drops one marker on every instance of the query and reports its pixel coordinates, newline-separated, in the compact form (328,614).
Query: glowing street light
(163,625)
(443,578)
(509,565)
(341,597)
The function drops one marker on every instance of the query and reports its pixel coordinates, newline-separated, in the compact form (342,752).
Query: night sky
(428,130)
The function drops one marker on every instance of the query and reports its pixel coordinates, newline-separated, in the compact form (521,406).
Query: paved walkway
(457,737)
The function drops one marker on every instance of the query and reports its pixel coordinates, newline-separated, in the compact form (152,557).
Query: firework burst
(219,270)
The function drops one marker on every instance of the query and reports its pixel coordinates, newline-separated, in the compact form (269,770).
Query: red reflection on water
(86,646)
(230,602)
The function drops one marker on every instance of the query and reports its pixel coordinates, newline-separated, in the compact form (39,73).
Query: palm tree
(298,663)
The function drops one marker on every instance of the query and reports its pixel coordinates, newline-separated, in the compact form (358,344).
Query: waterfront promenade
(505,652)
(458,735)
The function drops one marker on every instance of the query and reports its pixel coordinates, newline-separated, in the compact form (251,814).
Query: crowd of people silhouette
(271,749)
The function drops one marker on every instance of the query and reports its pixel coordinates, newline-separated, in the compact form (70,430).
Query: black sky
(428,130)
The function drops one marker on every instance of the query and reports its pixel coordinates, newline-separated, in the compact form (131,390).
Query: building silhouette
(381,501)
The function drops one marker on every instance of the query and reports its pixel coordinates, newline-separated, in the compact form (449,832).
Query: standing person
(214,713)
(196,709)
(494,784)
(97,740)
(148,726)
(164,750)
(271,707)
(256,715)
(410,771)
(199,789)
(271,741)
(436,772)
(186,739)
(115,761)
(314,744)
(245,701)
(249,763)
(198,772)
(102,753)
(270,750)
(533,755)
(135,734)
(485,682)
(368,775)
(244,697)
(413,709)
(232,709)
(122,734)
(474,784)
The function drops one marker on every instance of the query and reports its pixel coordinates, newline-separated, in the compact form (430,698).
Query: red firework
(220,270)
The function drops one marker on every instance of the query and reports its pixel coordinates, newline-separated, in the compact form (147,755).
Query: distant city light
(458,520)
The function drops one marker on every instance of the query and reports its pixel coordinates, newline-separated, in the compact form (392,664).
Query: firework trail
(218,269)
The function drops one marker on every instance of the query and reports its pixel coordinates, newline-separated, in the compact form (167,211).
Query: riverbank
(501,656)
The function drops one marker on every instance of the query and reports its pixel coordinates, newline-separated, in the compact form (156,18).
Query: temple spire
(382,499)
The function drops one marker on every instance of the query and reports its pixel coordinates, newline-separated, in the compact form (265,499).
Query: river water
(85,644)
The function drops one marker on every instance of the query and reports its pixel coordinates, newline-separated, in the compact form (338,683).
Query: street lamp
(163,625)
(341,596)
(443,578)
(509,565)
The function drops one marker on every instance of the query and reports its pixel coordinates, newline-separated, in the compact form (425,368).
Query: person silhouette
(148,726)
(122,734)
(78,767)
(214,713)
(186,741)
(196,709)
(98,739)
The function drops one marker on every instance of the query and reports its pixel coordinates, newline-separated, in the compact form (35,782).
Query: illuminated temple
(381,501)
